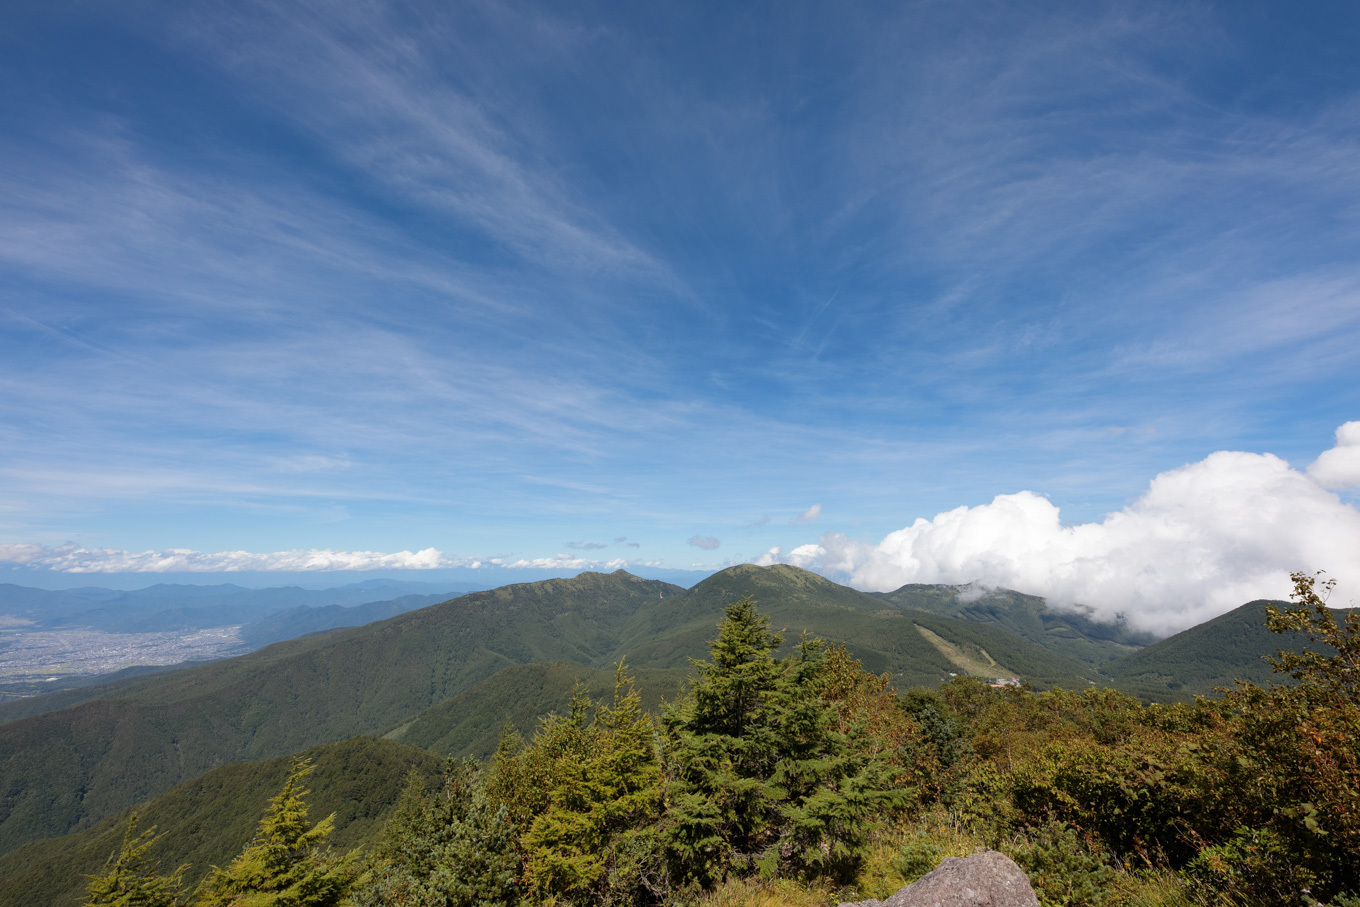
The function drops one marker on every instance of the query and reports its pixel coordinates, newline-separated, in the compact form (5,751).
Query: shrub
(1065,868)
(916,858)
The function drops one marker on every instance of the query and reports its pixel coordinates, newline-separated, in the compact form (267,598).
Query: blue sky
(674,285)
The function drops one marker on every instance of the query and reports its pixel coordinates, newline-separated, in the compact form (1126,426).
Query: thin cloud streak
(72,558)
(518,262)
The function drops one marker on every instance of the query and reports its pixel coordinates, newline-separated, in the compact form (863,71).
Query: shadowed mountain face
(448,676)
(210,819)
(1212,656)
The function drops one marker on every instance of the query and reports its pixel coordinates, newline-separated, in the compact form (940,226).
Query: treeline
(808,780)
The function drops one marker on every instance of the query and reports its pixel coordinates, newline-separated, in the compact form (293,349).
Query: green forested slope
(471,723)
(68,769)
(885,639)
(1215,654)
(73,691)
(1069,633)
(208,820)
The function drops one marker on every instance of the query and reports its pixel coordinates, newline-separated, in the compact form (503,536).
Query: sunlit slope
(208,820)
(65,769)
(471,723)
(1067,632)
(883,637)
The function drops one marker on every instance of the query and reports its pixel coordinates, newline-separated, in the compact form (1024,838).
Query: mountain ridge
(153,733)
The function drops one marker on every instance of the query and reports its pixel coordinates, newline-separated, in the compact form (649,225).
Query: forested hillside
(1204,658)
(1070,632)
(207,820)
(448,678)
(804,779)
(152,735)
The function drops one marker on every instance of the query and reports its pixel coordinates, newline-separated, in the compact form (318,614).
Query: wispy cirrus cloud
(72,558)
(528,268)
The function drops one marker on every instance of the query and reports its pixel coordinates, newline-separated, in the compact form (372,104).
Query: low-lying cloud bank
(1200,541)
(71,558)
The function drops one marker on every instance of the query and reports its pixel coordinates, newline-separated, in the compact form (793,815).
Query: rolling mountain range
(63,640)
(446,678)
(175,606)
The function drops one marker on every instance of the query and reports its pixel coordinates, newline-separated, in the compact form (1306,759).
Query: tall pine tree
(759,777)
(595,843)
(826,792)
(722,747)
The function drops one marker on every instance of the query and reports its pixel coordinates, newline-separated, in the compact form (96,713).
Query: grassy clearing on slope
(977,663)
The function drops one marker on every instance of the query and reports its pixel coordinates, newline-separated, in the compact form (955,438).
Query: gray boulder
(986,879)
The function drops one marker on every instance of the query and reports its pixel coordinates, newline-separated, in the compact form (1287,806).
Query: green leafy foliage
(916,858)
(1294,761)
(1065,869)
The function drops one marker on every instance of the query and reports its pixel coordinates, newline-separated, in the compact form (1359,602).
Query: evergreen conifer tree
(722,748)
(525,778)
(452,849)
(595,841)
(826,792)
(760,777)
(284,866)
(129,878)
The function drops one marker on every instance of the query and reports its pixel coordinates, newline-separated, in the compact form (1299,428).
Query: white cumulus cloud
(808,516)
(1340,467)
(1201,540)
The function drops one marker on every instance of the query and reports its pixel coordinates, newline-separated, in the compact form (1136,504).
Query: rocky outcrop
(986,879)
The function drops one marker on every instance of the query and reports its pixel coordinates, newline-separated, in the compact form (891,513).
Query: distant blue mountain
(168,607)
